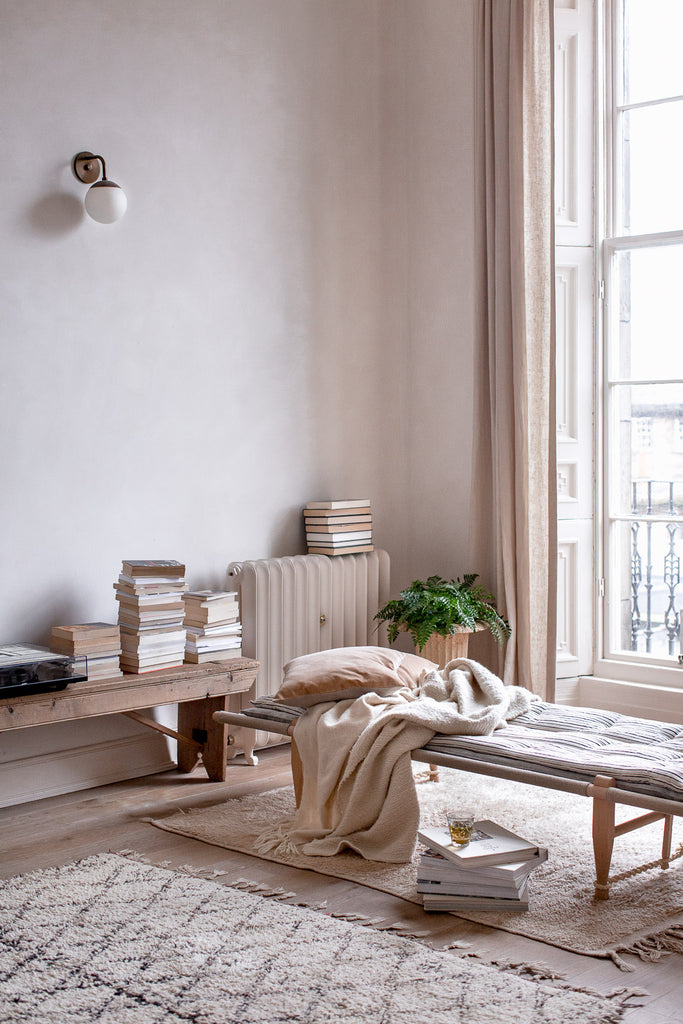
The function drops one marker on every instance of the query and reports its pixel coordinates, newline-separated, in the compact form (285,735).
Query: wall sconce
(105,201)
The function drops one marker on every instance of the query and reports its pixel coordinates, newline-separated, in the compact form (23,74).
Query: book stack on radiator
(212,626)
(490,873)
(342,527)
(98,642)
(151,613)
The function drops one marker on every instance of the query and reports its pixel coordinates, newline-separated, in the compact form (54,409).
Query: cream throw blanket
(358,788)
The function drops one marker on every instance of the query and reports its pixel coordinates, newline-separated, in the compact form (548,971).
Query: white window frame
(625,667)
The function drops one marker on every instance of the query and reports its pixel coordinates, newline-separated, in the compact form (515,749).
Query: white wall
(285,311)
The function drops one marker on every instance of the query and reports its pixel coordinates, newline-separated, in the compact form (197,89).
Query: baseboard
(566,691)
(81,767)
(661,703)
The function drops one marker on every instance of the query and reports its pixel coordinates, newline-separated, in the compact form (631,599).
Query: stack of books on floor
(99,642)
(151,613)
(490,873)
(212,626)
(341,527)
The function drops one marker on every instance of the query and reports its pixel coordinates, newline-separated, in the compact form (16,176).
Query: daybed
(611,758)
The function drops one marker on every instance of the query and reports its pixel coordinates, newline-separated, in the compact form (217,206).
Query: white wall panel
(575,585)
(575,334)
(574,57)
(575,389)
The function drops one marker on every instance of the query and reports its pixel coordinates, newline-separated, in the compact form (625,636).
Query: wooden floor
(51,832)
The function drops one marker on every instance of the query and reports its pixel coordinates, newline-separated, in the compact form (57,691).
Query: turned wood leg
(433,773)
(297,771)
(666,839)
(603,835)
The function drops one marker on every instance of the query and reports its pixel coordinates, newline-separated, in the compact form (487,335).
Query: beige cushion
(348,672)
(412,668)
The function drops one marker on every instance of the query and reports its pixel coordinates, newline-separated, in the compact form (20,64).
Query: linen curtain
(515,431)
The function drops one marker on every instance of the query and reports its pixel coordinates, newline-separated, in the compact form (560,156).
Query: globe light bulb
(105,202)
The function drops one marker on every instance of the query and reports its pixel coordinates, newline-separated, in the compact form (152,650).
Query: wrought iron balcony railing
(656,565)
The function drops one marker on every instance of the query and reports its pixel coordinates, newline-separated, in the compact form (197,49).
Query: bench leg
(603,836)
(195,721)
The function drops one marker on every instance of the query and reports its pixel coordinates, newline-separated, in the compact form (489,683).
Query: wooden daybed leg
(666,840)
(433,773)
(297,771)
(603,834)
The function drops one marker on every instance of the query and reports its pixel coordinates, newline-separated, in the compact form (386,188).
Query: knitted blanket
(358,789)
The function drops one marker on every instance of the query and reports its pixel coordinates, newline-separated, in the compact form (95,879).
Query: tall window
(643,329)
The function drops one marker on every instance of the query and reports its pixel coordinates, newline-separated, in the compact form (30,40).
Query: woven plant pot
(442,649)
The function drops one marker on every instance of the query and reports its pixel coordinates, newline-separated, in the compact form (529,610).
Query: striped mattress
(576,743)
(579,743)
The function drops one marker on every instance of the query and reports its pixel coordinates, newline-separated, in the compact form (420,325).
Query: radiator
(304,603)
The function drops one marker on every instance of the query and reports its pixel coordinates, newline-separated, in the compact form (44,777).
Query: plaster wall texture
(284,313)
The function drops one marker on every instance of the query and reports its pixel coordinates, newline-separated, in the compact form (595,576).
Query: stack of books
(212,626)
(99,642)
(490,873)
(341,527)
(151,612)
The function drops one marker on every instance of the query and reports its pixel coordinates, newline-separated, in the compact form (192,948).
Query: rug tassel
(538,971)
(262,890)
(621,964)
(541,972)
(652,948)
(397,929)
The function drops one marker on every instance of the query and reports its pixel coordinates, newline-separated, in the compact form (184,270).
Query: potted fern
(440,614)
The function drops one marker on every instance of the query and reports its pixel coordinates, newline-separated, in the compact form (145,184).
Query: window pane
(647,584)
(648,455)
(652,141)
(652,67)
(649,342)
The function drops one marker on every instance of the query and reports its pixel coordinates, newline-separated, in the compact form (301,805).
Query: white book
(434,867)
(165,597)
(333,538)
(149,580)
(429,888)
(214,644)
(225,629)
(490,844)
(456,903)
(342,503)
(205,597)
(169,658)
(149,614)
(153,640)
(139,628)
(337,544)
(192,658)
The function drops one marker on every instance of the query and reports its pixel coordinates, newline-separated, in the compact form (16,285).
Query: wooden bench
(199,691)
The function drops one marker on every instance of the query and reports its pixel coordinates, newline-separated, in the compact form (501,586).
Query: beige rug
(119,942)
(644,914)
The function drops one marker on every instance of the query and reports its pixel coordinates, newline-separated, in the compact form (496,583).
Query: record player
(25,668)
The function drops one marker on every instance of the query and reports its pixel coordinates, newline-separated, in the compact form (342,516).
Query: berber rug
(112,940)
(644,914)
